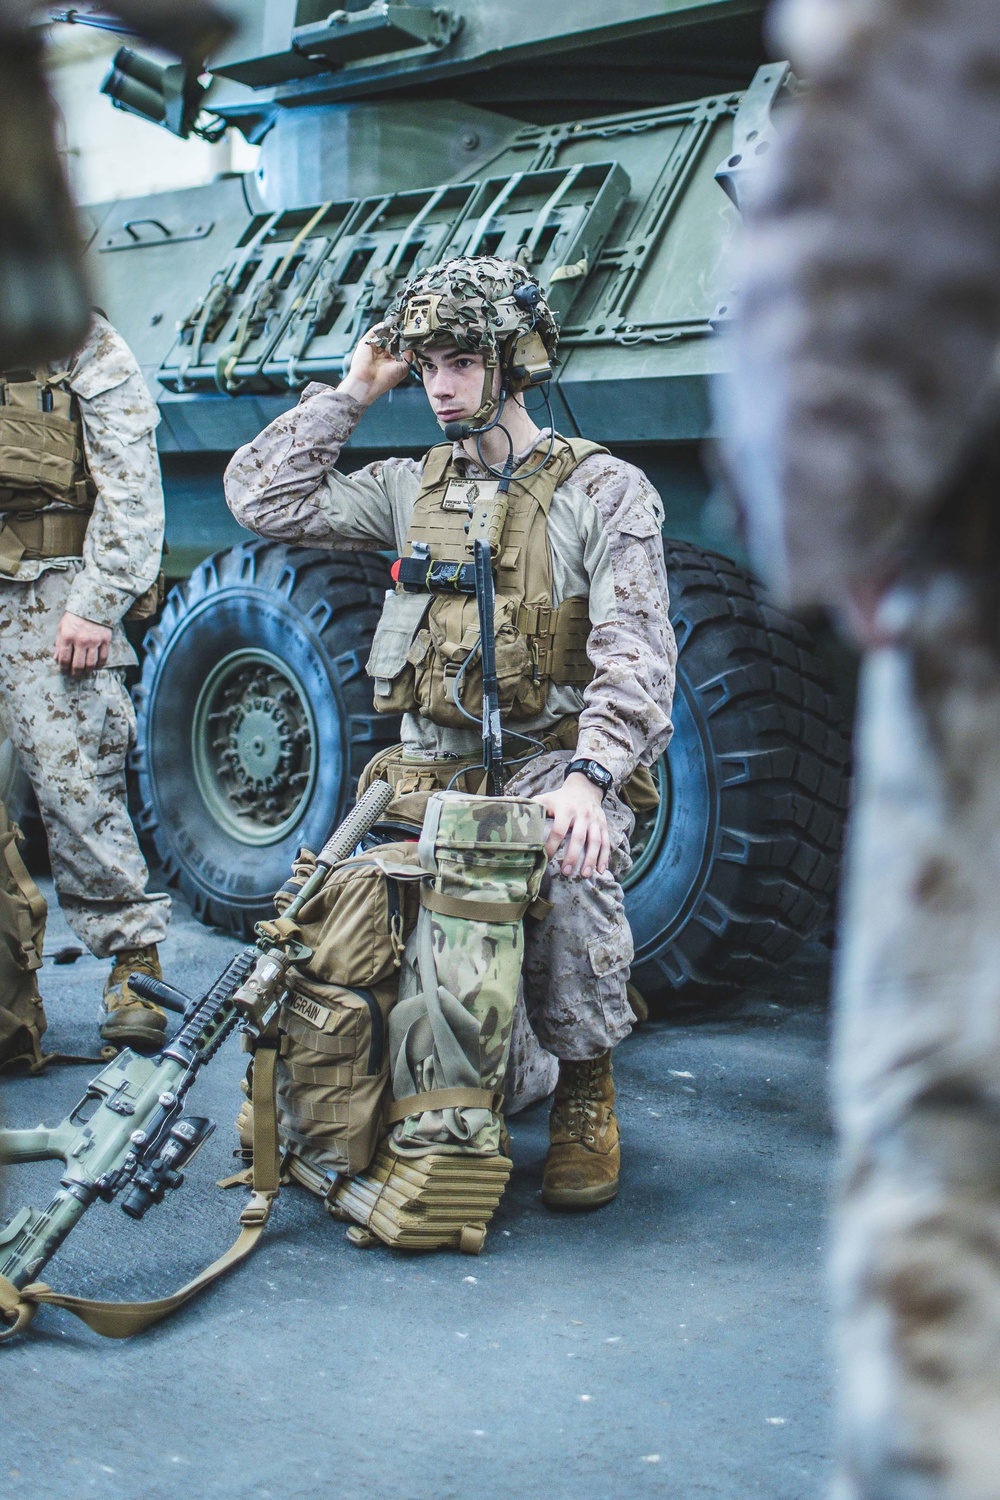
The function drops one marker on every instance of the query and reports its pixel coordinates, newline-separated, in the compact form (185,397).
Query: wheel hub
(260,736)
(253,742)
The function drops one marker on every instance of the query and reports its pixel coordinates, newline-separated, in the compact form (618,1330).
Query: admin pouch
(22,933)
(333,1064)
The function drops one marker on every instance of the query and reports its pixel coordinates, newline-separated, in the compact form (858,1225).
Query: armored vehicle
(393,135)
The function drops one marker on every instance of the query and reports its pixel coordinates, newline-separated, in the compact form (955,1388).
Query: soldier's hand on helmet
(374,370)
(578,818)
(81,645)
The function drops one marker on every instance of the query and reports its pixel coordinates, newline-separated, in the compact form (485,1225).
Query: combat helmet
(485,305)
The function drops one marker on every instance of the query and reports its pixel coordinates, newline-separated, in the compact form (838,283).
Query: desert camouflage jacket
(865,355)
(121,551)
(604,536)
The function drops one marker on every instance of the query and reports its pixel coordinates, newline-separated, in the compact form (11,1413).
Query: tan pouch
(453,632)
(333,1069)
(333,1074)
(22,934)
(358,921)
(399,642)
(40,452)
(147,604)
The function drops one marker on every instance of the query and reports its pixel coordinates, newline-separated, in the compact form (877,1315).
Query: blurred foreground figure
(44,296)
(863,430)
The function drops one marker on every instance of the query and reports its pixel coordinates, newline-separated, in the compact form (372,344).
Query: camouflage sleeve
(124,541)
(284,484)
(870,291)
(626,716)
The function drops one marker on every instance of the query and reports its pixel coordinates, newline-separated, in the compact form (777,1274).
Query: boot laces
(142,961)
(582,1118)
(139,962)
(581,1112)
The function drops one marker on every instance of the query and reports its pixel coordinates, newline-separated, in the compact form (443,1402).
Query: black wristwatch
(594,772)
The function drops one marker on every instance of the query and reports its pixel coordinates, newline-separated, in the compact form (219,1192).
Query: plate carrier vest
(535,643)
(46,491)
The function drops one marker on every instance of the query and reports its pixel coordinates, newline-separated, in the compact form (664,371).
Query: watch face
(593,772)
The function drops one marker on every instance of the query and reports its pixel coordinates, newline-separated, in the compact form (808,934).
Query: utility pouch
(41,454)
(41,446)
(333,1065)
(333,1073)
(398,646)
(357,922)
(22,934)
(453,635)
(149,602)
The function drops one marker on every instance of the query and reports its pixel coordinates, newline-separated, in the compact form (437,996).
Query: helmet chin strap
(457,432)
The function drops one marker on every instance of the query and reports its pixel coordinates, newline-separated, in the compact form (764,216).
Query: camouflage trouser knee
(917,1259)
(72,736)
(576,961)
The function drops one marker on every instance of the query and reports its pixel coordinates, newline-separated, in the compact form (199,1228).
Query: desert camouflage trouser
(917,1260)
(72,736)
(576,962)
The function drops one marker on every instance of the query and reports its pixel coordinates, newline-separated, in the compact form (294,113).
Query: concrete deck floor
(673,1344)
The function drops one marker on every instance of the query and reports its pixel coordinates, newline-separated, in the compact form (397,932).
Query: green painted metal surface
(373,163)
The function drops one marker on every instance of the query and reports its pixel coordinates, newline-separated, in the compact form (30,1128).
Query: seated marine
(585,652)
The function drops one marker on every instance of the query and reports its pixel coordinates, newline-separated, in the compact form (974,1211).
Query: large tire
(15,788)
(740,866)
(254,719)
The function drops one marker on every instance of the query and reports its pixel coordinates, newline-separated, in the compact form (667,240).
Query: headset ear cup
(530,363)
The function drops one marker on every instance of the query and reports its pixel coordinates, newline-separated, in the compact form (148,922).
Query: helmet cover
(469,302)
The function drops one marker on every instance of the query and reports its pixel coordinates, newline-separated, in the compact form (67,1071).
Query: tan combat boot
(127,1020)
(584,1158)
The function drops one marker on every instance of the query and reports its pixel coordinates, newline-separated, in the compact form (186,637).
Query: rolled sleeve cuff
(342,411)
(593,745)
(101,603)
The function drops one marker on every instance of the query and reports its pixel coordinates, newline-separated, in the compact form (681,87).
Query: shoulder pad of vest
(582,448)
(436,461)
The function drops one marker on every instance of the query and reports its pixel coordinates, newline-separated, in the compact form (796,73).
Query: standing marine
(584,648)
(81,507)
(863,428)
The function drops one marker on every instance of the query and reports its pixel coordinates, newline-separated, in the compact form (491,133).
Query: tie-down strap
(415,1104)
(472,911)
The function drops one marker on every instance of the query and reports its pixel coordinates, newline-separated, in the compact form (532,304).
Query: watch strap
(595,773)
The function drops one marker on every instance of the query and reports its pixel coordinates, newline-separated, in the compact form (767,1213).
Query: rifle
(128,1137)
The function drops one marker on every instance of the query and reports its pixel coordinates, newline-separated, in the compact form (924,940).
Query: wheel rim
(648,835)
(253,739)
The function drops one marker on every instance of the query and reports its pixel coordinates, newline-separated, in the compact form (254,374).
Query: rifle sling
(120,1320)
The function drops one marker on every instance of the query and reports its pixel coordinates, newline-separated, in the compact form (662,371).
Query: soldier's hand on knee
(374,370)
(81,645)
(578,817)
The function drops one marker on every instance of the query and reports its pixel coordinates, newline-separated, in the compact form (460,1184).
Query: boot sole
(140,1038)
(571,1198)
